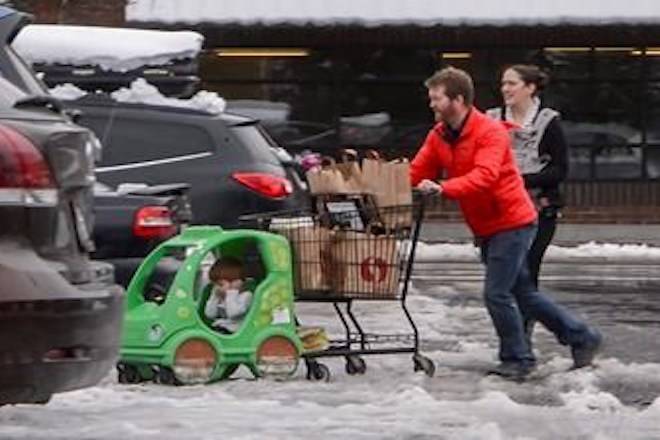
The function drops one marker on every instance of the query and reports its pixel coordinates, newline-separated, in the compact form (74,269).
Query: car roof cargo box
(176,80)
(104,58)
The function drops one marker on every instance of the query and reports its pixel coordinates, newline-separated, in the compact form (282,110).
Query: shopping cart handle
(425,195)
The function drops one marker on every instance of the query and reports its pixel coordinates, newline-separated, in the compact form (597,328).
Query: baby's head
(227,273)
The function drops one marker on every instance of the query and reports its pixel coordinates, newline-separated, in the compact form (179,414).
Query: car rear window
(255,143)
(130,140)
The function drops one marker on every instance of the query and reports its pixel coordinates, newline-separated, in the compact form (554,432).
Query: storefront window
(617,63)
(618,162)
(653,161)
(608,112)
(652,61)
(305,65)
(386,64)
(568,63)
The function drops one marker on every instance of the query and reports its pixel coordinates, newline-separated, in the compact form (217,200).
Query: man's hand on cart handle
(429,187)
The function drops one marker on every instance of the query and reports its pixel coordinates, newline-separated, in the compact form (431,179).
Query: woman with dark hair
(541,151)
(540,147)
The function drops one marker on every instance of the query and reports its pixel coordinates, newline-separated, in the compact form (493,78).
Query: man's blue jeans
(511,296)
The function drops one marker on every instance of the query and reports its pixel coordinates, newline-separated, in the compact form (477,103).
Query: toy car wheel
(422,363)
(355,365)
(317,371)
(165,376)
(128,374)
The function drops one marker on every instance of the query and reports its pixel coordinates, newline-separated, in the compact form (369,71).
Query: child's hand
(227,285)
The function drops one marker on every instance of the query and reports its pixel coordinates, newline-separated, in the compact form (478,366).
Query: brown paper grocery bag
(336,178)
(327,180)
(352,175)
(366,265)
(389,182)
(312,257)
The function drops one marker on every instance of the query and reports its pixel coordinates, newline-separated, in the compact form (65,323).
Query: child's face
(229,284)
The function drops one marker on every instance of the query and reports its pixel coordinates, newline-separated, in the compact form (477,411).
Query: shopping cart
(350,250)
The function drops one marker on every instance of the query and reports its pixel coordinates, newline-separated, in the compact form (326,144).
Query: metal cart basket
(351,250)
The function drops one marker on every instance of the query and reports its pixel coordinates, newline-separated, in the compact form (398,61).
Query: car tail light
(269,185)
(25,178)
(277,357)
(194,361)
(153,222)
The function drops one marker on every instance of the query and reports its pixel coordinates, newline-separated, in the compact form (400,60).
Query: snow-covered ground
(616,400)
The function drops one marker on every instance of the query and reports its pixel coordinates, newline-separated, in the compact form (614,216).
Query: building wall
(82,12)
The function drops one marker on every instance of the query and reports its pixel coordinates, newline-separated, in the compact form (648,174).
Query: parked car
(231,164)
(130,221)
(60,312)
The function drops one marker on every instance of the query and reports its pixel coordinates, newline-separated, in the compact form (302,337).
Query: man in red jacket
(475,153)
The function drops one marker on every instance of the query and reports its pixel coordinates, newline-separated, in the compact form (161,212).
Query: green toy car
(167,335)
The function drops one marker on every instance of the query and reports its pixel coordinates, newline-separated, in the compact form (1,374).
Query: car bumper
(54,345)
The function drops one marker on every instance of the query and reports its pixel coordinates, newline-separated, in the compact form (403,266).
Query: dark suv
(60,313)
(230,163)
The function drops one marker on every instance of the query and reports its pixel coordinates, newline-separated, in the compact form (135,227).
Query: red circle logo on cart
(373,269)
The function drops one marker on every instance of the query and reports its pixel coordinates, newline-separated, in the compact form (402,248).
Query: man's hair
(455,81)
(226,268)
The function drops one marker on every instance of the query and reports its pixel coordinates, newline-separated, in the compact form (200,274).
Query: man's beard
(445,116)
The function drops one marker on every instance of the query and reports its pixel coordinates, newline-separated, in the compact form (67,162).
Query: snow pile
(606,251)
(67,92)
(374,13)
(142,92)
(115,49)
(446,251)
(591,250)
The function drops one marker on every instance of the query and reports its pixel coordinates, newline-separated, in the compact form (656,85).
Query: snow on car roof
(117,49)
(141,92)
(378,12)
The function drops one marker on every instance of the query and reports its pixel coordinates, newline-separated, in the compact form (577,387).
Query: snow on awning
(381,12)
(116,49)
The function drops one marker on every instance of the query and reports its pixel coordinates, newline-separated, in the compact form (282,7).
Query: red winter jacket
(481,174)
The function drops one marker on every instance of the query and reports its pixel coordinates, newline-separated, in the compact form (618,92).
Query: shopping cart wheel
(128,373)
(317,371)
(355,365)
(165,376)
(422,363)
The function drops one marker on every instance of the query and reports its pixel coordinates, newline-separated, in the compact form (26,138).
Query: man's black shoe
(584,353)
(513,370)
